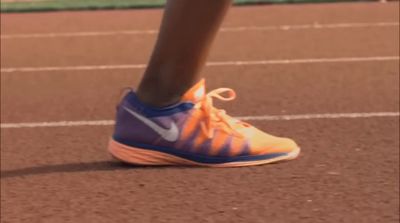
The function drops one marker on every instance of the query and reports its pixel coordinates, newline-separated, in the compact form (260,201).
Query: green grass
(54,5)
(51,5)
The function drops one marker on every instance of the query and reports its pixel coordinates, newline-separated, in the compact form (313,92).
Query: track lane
(342,175)
(274,89)
(348,171)
(239,16)
(271,44)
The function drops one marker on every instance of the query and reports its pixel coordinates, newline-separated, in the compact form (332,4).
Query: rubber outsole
(146,157)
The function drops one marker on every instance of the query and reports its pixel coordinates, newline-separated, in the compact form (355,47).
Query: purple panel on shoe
(129,127)
(189,142)
(245,150)
(224,152)
(205,147)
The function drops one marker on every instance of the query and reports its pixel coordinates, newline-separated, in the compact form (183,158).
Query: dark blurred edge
(73,5)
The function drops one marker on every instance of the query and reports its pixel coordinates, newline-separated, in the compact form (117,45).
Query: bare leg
(187,31)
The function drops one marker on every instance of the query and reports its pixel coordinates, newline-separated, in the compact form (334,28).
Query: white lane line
(72,68)
(244,118)
(55,124)
(319,116)
(209,64)
(224,29)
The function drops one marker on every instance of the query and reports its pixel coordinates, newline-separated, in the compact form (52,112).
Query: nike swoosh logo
(170,135)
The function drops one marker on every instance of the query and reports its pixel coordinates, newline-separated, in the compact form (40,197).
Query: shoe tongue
(195,93)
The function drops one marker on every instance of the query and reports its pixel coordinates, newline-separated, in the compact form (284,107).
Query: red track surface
(348,170)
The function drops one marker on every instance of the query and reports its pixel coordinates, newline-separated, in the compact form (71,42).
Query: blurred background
(326,75)
(48,5)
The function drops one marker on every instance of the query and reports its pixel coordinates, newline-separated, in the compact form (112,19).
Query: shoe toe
(263,143)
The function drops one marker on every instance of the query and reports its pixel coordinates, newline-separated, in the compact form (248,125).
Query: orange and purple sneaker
(192,132)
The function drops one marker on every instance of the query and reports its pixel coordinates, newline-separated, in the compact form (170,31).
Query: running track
(326,75)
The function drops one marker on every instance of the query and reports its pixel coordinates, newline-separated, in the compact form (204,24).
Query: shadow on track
(71,168)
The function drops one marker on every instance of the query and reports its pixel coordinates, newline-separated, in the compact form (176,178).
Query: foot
(192,132)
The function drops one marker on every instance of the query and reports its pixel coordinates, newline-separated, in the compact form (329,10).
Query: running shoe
(192,132)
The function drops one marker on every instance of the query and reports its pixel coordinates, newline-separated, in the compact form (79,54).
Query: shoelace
(214,115)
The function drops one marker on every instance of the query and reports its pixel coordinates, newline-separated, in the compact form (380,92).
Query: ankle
(156,97)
